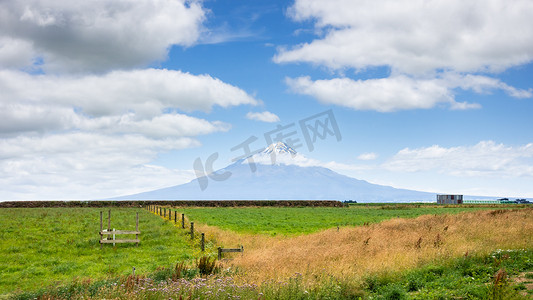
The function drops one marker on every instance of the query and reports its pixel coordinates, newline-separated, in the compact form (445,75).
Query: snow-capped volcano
(280,173)
(277,153)
(278,148)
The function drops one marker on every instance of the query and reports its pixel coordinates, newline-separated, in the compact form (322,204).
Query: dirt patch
(525,278)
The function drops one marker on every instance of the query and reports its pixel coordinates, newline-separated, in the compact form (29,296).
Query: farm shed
(449,199)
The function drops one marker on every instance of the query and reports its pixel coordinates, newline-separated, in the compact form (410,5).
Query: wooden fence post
(202,242)
(192,230)
(101,227)
(136,235)
(219,253)
(109,223)
(169,214)
(175,217)
(183,221)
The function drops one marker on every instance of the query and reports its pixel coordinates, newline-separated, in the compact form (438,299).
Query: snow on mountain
(282,174)
(279,148)
(278,154)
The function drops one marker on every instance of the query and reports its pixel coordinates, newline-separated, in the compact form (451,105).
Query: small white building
(449,199)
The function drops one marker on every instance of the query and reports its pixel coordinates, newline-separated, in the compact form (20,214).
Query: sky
(100,99)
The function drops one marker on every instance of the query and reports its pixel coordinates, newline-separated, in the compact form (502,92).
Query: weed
(418,243)
(497,212)
(132,281)
(179,270)
(207,265)
(499,284)
(161,274)
(438,241)
(393,292)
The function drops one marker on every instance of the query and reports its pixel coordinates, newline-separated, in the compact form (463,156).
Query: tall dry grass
(390,246)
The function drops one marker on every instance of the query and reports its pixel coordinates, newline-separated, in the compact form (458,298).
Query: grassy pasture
(40,246)
(394,245)
(302,220)
(435,256)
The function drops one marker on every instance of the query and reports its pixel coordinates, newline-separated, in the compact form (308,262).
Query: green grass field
(293,221)
(40,246)
(52,246)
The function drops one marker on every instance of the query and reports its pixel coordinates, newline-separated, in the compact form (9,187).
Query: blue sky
(101,99)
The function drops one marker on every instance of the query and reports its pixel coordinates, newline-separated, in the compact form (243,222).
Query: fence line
(162,212)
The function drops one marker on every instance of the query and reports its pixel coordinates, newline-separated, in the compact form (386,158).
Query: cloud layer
(415,36)
(96,135)
(83,165)
(265,116)
(486,158)
(399,92)
(96,36)
(123,101)
(431,49)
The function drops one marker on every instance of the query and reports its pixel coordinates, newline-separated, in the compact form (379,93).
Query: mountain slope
(282,181)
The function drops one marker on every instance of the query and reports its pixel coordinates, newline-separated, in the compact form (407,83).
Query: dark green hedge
(203,203)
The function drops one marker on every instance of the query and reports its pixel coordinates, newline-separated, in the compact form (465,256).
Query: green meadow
(302,220)
(41,246)
(55,252)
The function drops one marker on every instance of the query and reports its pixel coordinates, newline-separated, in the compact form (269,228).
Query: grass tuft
(207,265)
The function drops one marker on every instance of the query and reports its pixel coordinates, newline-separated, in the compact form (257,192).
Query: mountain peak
(279,148)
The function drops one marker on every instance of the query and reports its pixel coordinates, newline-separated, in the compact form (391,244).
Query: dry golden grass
(390,246)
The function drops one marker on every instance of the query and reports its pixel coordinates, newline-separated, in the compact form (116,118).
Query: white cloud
(265,116)
(415,37)
(79,118)
(96,35)
(400,92)
(482,84)
(486,158)
(384,95)
(85,165)
(93,136)
(120,101)
(303,161)
(431,48)
(492,169)
(15,53)
(367,156)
